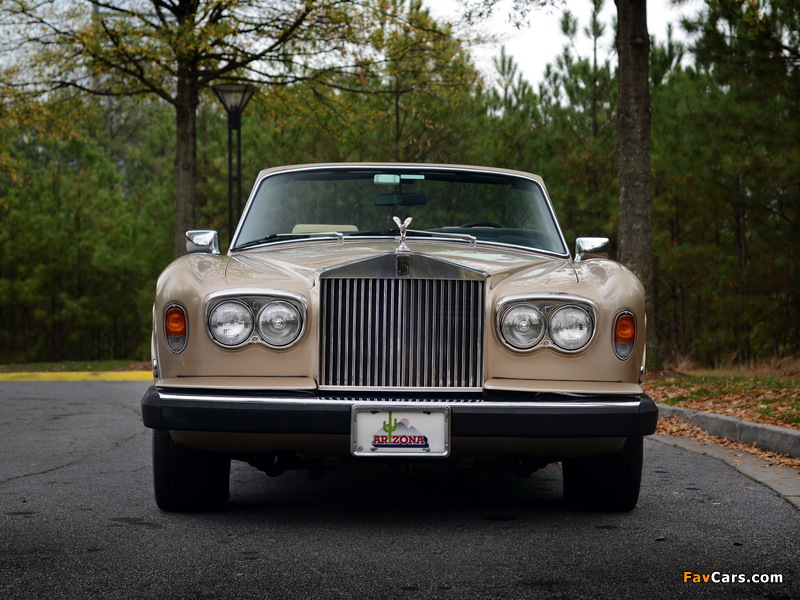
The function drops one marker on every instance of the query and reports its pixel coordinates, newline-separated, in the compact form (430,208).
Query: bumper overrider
(496,415)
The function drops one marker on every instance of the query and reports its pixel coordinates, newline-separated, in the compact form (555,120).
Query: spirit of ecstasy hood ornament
(402,248)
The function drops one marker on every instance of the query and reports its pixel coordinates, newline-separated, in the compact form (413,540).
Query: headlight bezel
(547,306)
(256,302)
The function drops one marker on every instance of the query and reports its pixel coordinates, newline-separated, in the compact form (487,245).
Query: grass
(763,398)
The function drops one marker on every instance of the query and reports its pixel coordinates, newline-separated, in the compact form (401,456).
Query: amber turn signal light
(175,326)
(624,335)
(625,329)
(176,321)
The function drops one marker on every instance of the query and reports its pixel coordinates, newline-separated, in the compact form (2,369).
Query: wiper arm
(471,239)
(375,232)
(290,236)
(465,237)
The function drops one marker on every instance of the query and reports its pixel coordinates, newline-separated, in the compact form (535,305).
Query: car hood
(307,262)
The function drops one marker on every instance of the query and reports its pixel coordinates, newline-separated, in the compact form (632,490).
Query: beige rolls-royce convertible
(413,316)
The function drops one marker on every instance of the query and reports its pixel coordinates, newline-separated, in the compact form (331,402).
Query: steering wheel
(483,224)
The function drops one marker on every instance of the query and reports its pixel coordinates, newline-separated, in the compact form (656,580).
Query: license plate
(400,431)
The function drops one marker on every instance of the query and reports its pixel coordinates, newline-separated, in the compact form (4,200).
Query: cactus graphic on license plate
(400,431)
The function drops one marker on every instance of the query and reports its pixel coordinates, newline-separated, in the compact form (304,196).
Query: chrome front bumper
(497,415)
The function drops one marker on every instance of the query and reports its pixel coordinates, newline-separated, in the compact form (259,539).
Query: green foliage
(725,141)
(173,51)
(566,131)
(578,101)
(411,98)
(79,235)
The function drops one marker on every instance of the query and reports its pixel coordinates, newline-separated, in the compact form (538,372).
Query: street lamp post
(234,97)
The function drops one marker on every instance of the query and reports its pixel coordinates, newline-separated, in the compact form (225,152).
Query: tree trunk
(185,163)
(635,203)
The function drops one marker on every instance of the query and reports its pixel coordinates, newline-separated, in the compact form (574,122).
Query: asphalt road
(78,521)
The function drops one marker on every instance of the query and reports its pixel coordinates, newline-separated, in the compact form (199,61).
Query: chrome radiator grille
(402,333)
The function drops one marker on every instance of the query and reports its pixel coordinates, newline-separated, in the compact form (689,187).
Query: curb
(781,440)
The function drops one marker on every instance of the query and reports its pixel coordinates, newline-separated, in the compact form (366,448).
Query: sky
(535,46)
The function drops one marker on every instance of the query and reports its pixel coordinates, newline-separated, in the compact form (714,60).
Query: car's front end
(419,315)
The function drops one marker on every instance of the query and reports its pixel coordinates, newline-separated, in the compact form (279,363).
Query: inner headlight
(230,323)
(279,323)
(522,326)
(571,327)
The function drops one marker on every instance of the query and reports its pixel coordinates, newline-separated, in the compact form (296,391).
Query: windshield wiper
(465,237)
(288,237)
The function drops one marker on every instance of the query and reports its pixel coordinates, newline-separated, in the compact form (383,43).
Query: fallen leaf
(674,425)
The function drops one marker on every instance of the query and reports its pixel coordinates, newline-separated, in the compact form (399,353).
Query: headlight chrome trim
(255,301)
(548,305)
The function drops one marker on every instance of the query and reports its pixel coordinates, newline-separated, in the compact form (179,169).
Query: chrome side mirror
(202,241)
(591,247)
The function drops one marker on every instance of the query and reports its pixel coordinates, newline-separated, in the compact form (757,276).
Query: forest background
(87,183)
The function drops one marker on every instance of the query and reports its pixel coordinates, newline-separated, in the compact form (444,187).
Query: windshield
(492,207)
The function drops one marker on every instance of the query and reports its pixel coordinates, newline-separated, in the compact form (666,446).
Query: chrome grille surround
(402,332)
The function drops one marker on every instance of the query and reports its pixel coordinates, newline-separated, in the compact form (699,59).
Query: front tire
(608,482)
(186,479)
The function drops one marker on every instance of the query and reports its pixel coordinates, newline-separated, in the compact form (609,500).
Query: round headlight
(230,323)
(279,323)
(522,326)
(571,327)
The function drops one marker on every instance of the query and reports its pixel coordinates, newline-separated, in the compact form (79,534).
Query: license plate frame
(400,431)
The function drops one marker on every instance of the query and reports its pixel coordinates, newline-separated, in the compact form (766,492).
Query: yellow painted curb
(79,376)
